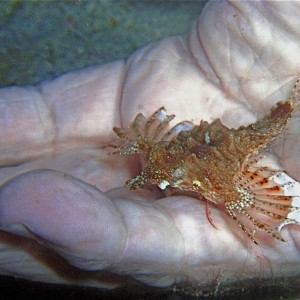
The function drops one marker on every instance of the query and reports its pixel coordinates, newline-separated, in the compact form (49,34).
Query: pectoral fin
(269,200)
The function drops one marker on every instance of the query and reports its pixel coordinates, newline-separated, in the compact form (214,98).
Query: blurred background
(43,39)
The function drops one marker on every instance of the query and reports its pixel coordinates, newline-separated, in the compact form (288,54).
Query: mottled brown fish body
(218,163)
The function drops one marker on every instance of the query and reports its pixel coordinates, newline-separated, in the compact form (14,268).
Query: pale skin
(67,193)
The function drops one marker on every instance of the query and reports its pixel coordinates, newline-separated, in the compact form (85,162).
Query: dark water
(275,289)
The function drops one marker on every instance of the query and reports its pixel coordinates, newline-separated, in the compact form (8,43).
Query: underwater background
(43,39)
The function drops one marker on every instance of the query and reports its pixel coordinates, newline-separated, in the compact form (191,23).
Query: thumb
(73,218)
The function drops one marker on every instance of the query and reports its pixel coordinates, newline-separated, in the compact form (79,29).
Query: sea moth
(223,165)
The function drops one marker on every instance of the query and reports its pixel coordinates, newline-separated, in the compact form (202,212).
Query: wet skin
(61,189)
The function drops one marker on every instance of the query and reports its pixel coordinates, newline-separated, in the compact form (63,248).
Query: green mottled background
(43,39)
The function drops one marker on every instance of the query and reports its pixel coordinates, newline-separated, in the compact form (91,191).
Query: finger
(231,60)
(36,206)
(25,258)
(250,41)
(94,166)
(48,204)
(156,242)
(83,225)
(75,110)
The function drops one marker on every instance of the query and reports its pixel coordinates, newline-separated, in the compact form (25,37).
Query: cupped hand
(60,190)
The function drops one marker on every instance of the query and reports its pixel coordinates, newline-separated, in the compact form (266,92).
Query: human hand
(239,60)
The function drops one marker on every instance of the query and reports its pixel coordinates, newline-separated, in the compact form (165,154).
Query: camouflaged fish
(221,164)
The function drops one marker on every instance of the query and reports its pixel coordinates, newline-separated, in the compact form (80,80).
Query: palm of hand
(77,119)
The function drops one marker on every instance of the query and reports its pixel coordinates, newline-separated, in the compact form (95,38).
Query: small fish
(226,166)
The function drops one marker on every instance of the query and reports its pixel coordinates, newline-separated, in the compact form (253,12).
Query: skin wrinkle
(250,25)
(118,116)
(179,267)
(294,237)
(248,103)
(190,48)
(120,219)
(94,87)
(55,263)
(120,99)
(227,267)
(226,92)
(224,55)
(172,209)
(250,69)
(126,229)
(199,63)
(90,191)
(136,205)
(190,39)
(43,131)
(208,59)
(184,262)
(253,42)
(281,20)
(55,108)
(52,117)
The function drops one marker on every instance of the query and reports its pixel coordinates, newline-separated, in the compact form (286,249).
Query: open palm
(62,189)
